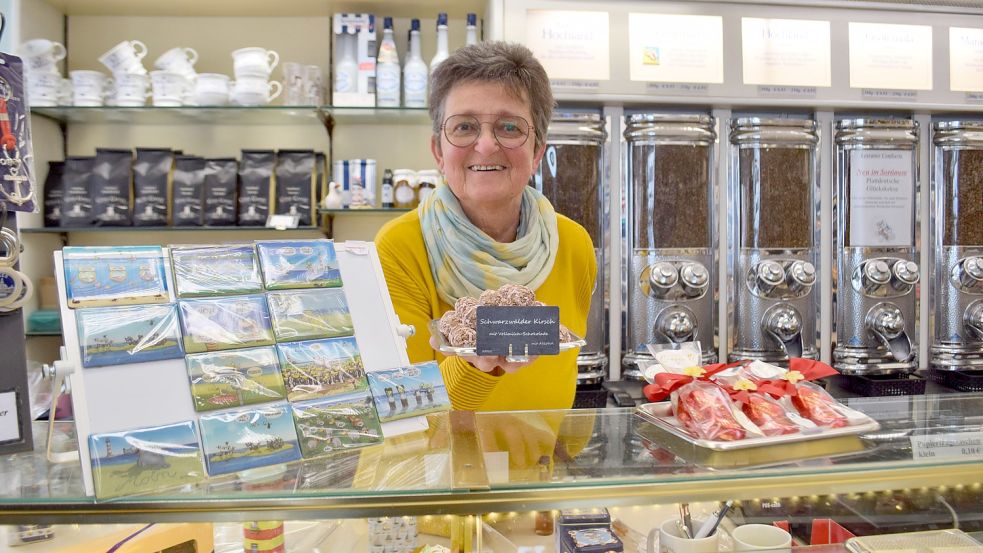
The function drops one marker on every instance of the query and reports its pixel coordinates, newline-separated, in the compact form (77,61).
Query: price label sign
(527,330)
(9,423)
(948,446)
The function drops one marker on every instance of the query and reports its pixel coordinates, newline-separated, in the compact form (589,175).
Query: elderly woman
(491,105)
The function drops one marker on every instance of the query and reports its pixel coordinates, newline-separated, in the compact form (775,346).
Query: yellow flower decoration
(695,372)
(745,384)
(793,376)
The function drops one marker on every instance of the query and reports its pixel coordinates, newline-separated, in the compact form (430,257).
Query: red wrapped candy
(705,410)
(813,403)
(769,415)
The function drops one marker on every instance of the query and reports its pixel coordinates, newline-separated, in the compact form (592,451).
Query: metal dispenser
(773,238)
(570,175)
(669,236)
(876,168)
(957,246)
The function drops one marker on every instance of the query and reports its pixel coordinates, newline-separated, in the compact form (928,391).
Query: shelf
(376,210)
(250,8)
(607,461)
(42,333)
(67,230)
(229,115)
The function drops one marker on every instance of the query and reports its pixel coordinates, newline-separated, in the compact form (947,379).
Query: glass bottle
(471,36)
(414,71)
(442,51)
(386,192)
(346,68)
(387,69)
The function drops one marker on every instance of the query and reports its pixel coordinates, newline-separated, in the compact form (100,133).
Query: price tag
(283,222)
(9,424)
(532,330)
(948,446)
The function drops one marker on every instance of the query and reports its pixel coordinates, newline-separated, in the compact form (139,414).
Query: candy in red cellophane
(769,415)
(705,410)
(813,403)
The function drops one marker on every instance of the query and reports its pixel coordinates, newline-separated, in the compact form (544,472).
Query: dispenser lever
(784,324)
(974,319)
(887,323)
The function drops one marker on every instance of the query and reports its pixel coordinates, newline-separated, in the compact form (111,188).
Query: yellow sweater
(550,381)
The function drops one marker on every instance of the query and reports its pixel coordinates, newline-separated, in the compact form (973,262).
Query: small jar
(404,188)
(429,179)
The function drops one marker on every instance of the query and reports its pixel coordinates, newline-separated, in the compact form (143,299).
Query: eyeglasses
(510,131)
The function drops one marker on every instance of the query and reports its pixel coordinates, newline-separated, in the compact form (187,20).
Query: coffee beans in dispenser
(773,238)
(957,254)
(669,236)
(570,176)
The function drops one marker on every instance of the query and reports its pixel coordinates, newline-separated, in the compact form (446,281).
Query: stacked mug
(175,80)
(45,85)
(129,86)
(252,67)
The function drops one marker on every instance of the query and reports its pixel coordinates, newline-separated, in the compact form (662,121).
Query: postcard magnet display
(244,439)
(299,264)
(409,391)
(336,424)
(319,368)
(106,276)
(145,460)
(215,270)
(235,378)
(117,335)
(310,314)
(225,323)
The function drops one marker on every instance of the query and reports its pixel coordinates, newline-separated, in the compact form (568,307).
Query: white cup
(41,55)
(671,539)
(254,62)
(125,57)
(178,60)
(169,89)
(760,537)
(213,89)
(89,87)
(44,89)
(255,91)
(132,89)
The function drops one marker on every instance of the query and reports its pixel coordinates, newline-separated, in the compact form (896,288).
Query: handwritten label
(9,423)
(787,91)
(881,94)
(533,330)
(676,88)
(948,446)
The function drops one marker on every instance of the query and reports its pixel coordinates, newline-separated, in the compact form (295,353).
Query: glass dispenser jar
(669,235)
(773,238)
(876,261)
(957,246)
(570,175)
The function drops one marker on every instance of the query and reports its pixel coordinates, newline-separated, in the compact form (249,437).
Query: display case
(478,468)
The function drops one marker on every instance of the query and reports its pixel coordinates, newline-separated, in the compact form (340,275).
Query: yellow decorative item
(745,384)
(793,376)
(695,372)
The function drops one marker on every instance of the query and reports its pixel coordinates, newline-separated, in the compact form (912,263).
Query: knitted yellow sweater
(547,383)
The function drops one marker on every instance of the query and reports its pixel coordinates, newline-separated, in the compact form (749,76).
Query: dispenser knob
(770,274)
(801,276)
(784,322)
(974,318)
(662,277)
(695,278)
(972,272)
(877,271)
(887,320)
(906,272)
(676,323)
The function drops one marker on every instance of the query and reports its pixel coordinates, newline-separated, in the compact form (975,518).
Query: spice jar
(404,188)
(428,180)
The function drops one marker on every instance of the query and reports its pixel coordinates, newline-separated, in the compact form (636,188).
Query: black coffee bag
(112,187)
(54,191)
(187,191)
(255,186)
(76,201)
(151,176)
(220,191)
(295,184)
(321,171)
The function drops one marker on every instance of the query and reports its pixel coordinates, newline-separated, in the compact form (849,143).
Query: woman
(491,105)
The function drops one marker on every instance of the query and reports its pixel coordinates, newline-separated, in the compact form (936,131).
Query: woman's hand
(495,365)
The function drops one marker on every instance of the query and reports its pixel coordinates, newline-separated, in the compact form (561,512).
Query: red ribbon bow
(810,369)
(665,383)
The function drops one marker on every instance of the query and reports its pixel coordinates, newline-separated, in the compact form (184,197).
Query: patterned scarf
(464,261)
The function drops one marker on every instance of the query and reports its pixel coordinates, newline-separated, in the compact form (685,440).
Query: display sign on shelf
(676,48)
(786,52)
(882,200)
(884,56)
(570,44)
(965,59)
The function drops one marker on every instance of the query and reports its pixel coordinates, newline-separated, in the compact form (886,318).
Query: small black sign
(534,327)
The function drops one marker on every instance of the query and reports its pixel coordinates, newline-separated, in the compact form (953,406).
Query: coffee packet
(296,184)
(112,187)
(151,179)
(54,191)
(76,201)
(255,186)
(220,184)
(187,191)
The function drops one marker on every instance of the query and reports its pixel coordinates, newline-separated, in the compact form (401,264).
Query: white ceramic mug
(213,89)
(89,87)
(671,539)
(169,88)
(254,62)
(255,91)
(44,89)
(132,89)
(760,537)
(41,55)
(125,57)
(178,60)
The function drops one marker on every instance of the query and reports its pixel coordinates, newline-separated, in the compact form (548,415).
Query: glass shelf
(42,333)
(392,210)
(66,230)
(229,115)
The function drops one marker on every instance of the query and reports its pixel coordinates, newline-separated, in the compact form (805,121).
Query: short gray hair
(507,63)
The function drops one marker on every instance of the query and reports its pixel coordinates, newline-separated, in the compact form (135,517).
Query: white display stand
(140,395)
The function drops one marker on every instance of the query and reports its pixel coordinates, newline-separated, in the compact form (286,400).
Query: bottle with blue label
(387,70)
(415,72)
(471,31)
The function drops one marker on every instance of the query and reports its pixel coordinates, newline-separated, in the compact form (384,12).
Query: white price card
(9,424)
(570,44)
(676,48)
(882,198)
(967,445)
(965,59)
(785,52)
(887,56)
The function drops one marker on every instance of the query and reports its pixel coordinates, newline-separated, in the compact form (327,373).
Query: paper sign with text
(529,330)
(948,446)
